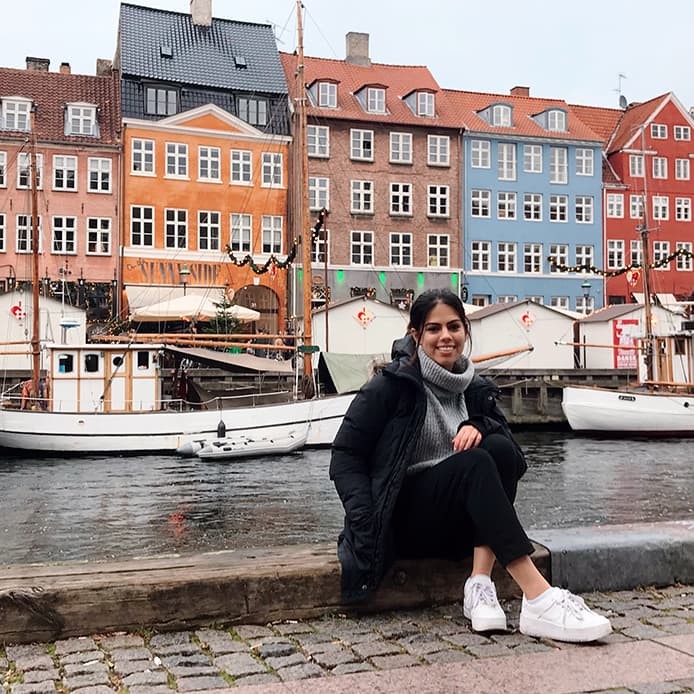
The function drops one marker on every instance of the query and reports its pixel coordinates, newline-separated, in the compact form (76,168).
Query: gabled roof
(466,107)
(51,91)
(398,80)
(601,121)
(610,312)
(203,56)
(634,117)
(493,309)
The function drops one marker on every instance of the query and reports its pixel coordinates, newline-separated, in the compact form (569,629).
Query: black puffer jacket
(371,454)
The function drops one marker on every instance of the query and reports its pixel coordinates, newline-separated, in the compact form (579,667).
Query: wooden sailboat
(662,401)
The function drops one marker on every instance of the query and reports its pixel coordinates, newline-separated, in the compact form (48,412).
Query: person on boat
(26,396)
(426,466)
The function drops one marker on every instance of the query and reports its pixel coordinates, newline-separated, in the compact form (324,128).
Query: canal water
(96,508)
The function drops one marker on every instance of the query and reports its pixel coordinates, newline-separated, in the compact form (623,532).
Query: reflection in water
(100,508)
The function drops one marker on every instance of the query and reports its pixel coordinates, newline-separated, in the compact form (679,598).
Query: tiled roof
(467,105)
(601,121)
(204,56)
(52,90)
(634,117)
(398,80)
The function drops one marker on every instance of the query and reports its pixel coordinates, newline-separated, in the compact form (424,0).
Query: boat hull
(59,432)
(628,411)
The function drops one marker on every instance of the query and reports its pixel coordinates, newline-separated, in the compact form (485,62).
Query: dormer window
(501,116)
(161,101)
(327,95)
(80,119)
(556,120)
(15,114)
(376,100)
(425,104)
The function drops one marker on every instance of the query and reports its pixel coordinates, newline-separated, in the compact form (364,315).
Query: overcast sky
(561,49)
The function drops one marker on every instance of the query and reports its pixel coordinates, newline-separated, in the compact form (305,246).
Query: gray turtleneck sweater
(446,410)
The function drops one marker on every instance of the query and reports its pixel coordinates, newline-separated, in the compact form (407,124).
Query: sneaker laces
(570,603)
(483,593)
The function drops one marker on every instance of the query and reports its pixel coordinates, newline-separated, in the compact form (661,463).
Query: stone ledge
(42,602)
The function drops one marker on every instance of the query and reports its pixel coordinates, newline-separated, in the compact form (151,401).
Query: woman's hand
(468,437)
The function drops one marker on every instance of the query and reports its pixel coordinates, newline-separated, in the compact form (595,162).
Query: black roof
(166,46)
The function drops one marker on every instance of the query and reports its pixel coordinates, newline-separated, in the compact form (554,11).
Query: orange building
(193,184)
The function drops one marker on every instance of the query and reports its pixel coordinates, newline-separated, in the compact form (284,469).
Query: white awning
(190,307)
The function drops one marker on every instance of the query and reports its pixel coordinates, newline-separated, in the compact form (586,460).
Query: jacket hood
(403,347)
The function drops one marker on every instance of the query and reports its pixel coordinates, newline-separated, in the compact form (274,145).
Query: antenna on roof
(622,99)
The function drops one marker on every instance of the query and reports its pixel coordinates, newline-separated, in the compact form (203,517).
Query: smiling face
(442,336)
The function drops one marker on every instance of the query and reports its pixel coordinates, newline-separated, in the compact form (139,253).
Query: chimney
(520,91)
(104,66)
(38,64)
(358,49)
(65,69)
(201,11)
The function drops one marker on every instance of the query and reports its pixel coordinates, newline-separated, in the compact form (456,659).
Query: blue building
(532,188)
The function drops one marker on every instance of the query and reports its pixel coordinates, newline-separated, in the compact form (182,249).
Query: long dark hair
(426,301)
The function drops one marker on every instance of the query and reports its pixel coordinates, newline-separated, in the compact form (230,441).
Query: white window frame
(375,100)
(3,232)
(176,228)
(506,205)
(615,254)
(585,304)
(438,150)
(400,148)
(438,204)
(660,167)
(658,131)
(362,197)
(253,110)
(481,204)
(636,252)
(98,236)
(400,251)
(438,250)
(532,258)
(532,207)
(481,256)
(585,209)
(318,141)
(80,120)
(320,245)
(24,170)
(176,159)
(661,250)
(272,170)
(241,167)
(661,207)
(684,263)
(18,111)
(209,230)
(65,165)
(25,234)
(64,226)
(100,174)
(501,116)
(426,106)
(682,132)
(506,257)
(361,144)
(209,164)
(271,234)
(361,247)
(682,169)
(142,157)
(480,154)
(506,161)
(683,209)
(585,255)
(532,158)
(559,165)
(507,298)
(584,161)
(3,169)
(400,199)
(241,232)
(559,208)
(556,120)
(636,165)
(327,95)
(161,101)
(318,192)
(560,302)
(615,205)
(142,215)
(560,253)
(636,209)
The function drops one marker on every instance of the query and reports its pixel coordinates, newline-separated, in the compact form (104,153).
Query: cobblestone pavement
(214,659)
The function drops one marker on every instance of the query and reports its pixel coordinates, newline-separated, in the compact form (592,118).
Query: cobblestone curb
(214,659)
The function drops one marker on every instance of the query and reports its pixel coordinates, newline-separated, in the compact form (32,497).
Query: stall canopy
(190,307)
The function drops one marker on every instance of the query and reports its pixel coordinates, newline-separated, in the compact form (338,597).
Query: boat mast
(646,260)
(302,218)
(34,239)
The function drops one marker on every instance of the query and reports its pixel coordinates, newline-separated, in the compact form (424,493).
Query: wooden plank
(41,602)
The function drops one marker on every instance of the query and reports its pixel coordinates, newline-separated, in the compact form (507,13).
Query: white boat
(245,445)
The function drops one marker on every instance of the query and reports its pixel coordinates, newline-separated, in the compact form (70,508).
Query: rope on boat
(33,601)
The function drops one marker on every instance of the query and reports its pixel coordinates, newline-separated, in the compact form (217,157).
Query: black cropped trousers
(463,502)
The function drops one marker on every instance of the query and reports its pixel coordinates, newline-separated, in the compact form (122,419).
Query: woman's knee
(504,453)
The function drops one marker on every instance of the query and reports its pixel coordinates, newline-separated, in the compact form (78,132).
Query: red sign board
(624,332)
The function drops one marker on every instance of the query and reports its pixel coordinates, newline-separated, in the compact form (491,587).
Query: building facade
(71,122)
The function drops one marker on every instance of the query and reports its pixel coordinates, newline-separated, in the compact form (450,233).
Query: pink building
(73,123)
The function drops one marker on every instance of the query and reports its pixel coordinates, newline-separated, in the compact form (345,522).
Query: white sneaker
(481,606)
(562,616)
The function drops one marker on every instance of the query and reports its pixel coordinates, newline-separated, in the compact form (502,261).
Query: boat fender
(221,429)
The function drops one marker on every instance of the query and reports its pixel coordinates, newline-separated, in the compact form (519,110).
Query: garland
(265,267)
(679,253)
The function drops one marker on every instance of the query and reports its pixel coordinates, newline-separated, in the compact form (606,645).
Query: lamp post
(585,286)
(184,274)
